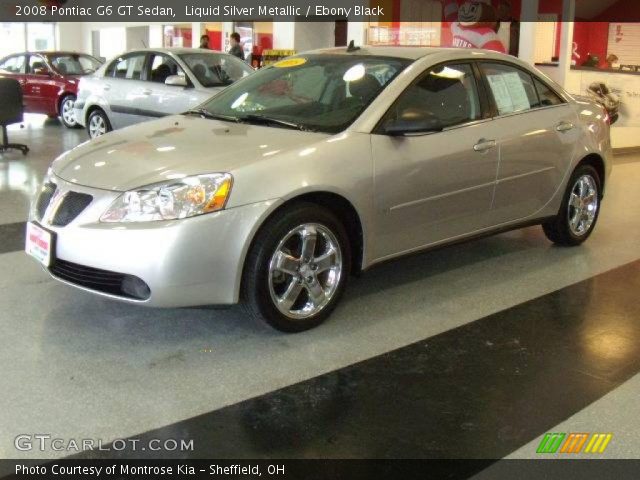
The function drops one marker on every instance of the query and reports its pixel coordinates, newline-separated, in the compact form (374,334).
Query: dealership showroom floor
(471,351)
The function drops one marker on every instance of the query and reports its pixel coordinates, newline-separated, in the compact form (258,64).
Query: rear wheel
(67,114)
(98,124)
(297,268)
(579,211)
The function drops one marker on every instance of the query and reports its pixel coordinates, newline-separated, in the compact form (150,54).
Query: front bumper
(189,262)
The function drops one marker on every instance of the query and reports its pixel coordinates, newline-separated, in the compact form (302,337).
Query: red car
(49,80)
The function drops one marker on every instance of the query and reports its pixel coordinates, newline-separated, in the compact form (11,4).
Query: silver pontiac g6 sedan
(275,190)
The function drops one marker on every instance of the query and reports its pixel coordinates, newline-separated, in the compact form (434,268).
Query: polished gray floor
(77,366)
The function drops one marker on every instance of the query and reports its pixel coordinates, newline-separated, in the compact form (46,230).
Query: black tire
(93,115)
(256,295)
(65,122)
(558,229)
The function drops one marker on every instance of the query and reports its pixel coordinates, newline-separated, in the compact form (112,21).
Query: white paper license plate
(39,243)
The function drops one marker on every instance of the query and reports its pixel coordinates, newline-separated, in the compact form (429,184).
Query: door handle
(484,145)
(146,91)
(565,126)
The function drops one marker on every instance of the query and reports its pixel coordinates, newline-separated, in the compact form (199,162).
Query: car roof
(176,50)
(49,52)
(411,53)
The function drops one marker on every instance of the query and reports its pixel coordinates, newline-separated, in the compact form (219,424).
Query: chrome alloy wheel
(583,205)
(97,126)
(305,271)
(68,115)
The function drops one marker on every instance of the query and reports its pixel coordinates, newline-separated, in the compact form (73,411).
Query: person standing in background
(611,61)
(236,49)
(204,42)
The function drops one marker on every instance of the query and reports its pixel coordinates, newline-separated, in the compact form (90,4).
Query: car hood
(171,148)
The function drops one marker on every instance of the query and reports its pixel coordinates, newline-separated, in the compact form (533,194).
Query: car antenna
(352,47)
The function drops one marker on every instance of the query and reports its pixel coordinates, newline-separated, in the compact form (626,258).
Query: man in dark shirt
(236,49)
(204,42)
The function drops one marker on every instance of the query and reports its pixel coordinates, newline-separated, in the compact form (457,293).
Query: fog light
(135,287)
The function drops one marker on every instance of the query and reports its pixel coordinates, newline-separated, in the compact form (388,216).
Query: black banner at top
(471,12)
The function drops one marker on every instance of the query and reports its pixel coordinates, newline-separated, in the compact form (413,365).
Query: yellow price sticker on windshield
(291,62)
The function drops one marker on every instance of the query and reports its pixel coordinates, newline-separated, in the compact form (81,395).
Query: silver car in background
(146,84)
(275,190)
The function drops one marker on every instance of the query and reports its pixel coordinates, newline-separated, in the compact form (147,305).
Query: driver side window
(37,65)
(162,67)
(443,97)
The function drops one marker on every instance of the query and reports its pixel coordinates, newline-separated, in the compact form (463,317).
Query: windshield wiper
(204,113)
(252,118)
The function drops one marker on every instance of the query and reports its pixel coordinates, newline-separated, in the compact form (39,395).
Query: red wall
(592,38)
(215,39)
(185,33)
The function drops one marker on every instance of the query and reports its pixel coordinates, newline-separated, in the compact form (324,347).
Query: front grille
(104,281)
(71,206)
(46,194)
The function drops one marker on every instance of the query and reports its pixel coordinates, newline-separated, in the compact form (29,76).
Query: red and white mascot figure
(474,24)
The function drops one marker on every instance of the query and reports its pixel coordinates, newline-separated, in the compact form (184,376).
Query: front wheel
(67,114)
(98,124)
(579,210)
(297,268)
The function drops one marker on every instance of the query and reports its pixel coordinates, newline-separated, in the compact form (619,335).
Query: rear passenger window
(129,67)
(513,89)
(547,96)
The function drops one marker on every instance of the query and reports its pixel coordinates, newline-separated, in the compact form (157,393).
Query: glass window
(512,88)
(444,97)
(37,66)
(547,96)
(74,64)
(315,92)
(162,67)
(216,69)
(178,35)
(13,64)
(41,36)
(12,38)
(21,37)
(129,67)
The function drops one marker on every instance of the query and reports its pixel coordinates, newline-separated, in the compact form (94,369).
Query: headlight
(182,198)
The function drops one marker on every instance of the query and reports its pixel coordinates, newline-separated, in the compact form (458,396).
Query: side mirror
(176,81)
(41,71)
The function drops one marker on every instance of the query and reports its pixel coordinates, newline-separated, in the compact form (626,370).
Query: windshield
(313,92)
(216,69)
(74,64)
